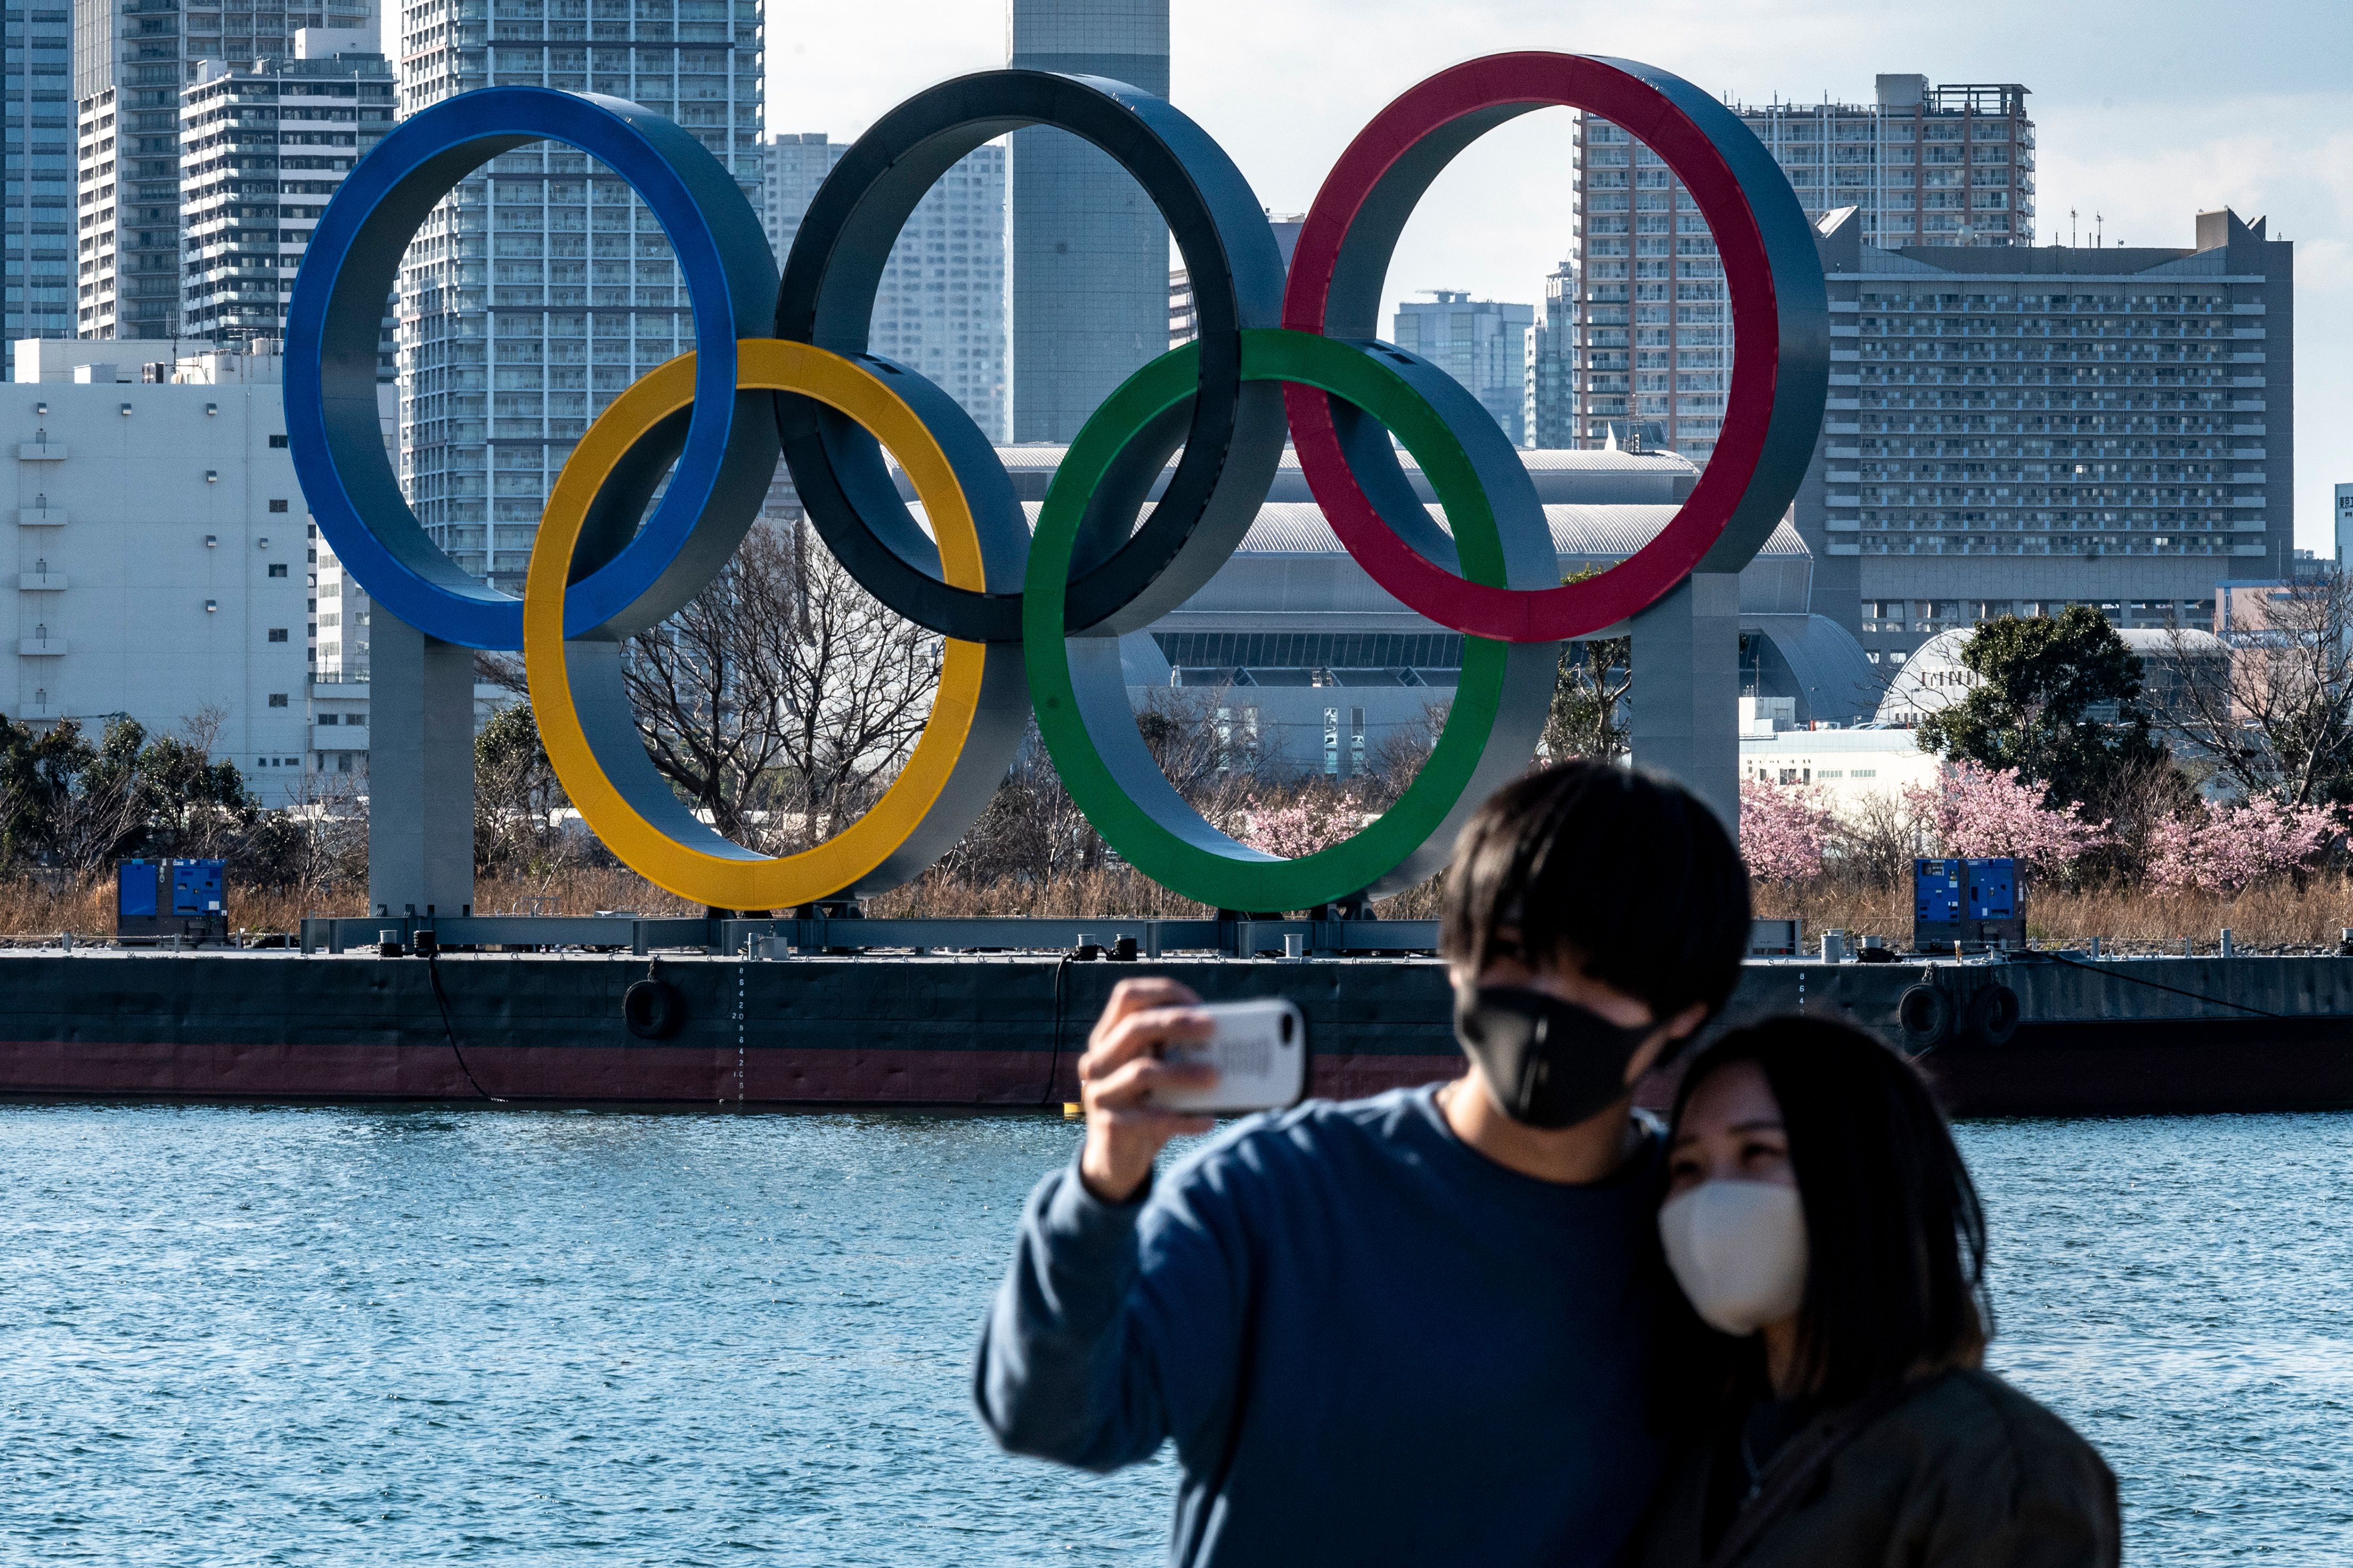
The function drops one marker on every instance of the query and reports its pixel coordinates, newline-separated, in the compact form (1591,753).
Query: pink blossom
(1981,812)
(2225,849)
(1300,827)
(1782,830)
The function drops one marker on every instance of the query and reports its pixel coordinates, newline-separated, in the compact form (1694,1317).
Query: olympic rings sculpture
(780,366)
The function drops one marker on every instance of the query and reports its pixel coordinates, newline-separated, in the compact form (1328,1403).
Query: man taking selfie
(1415,1328)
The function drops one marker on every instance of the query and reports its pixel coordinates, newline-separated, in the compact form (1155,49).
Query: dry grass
(2272,916)
(34,909)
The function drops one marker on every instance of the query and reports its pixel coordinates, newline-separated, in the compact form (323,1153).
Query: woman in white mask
(1825,1231)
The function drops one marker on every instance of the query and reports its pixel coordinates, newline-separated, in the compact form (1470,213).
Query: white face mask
(1738,1249)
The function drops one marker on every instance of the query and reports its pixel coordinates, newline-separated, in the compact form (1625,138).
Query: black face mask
(1549,1063)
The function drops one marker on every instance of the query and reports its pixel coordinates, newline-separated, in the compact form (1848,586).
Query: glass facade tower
(1483,343)
(1090,251)
(541,288)
(36,198)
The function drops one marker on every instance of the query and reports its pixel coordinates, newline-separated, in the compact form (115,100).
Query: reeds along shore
(34,909)
(2280,915)
(2276,916)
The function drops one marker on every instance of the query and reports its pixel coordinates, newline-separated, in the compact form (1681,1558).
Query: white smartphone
(1259,1051)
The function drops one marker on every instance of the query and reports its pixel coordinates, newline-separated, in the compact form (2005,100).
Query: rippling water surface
(363,1336)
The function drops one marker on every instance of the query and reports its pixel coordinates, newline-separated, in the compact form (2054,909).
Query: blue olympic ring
(625,583)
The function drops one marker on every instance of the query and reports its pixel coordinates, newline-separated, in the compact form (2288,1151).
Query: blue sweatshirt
(1370,1344)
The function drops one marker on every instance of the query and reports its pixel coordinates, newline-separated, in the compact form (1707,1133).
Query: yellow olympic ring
(576,684)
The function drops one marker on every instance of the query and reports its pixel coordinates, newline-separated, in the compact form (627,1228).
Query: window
(278,699)
(277,505)
(277,634)
(278,569)
(277,440)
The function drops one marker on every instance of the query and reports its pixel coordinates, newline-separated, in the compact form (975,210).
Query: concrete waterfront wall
(2116,1036)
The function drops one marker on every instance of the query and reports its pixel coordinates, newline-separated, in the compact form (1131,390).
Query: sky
(2145,114)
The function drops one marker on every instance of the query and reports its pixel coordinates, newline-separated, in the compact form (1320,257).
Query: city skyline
(2130,141)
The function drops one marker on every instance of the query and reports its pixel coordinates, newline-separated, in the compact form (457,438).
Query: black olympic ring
(1232,431)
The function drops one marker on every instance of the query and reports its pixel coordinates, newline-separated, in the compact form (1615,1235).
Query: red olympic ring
(1780,351)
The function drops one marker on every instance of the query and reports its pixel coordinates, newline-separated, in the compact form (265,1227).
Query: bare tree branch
(2276,715)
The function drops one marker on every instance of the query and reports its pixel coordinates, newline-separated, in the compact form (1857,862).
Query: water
(234,1336)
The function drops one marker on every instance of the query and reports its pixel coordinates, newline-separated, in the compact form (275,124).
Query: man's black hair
(1629,872)
(1895,1237)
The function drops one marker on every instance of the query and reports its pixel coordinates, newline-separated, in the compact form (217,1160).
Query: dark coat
(1966,1472)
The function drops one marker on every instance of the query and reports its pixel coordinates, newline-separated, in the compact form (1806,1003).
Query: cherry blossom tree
(1977,811)
(2224,849)
(1782,831)
(1298,828)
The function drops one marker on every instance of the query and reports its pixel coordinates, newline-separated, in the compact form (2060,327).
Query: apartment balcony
(43,581)
(40,451)
(40,517)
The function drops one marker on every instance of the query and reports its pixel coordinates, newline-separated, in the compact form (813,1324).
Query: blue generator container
(160,898)
(1973,902)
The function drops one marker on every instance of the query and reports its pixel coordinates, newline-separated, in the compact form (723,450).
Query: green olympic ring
(1491,731)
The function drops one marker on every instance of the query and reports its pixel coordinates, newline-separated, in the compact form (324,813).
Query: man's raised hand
(1122,1067)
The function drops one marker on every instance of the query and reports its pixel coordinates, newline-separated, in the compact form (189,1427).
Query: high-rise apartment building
(2016,428)
(794,164)
(1483,343)
(1652,339)
(262,147)
(1090,250)
(130,59)
(37,187)
(941,308)
(542,286)
(1951,165)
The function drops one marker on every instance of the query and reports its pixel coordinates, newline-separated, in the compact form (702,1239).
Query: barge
(778,1017)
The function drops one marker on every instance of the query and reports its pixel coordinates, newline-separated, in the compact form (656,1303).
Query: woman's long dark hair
(1894,1233)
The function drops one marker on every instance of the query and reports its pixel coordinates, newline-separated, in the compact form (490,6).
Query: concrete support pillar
(1686,669)
(421,773)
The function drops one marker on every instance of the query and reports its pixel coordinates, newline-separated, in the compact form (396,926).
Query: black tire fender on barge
(1994,1015)
(653,1009)
(1924,1016)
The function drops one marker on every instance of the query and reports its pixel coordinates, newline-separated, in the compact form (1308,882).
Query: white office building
(162,558)
(1845,770)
